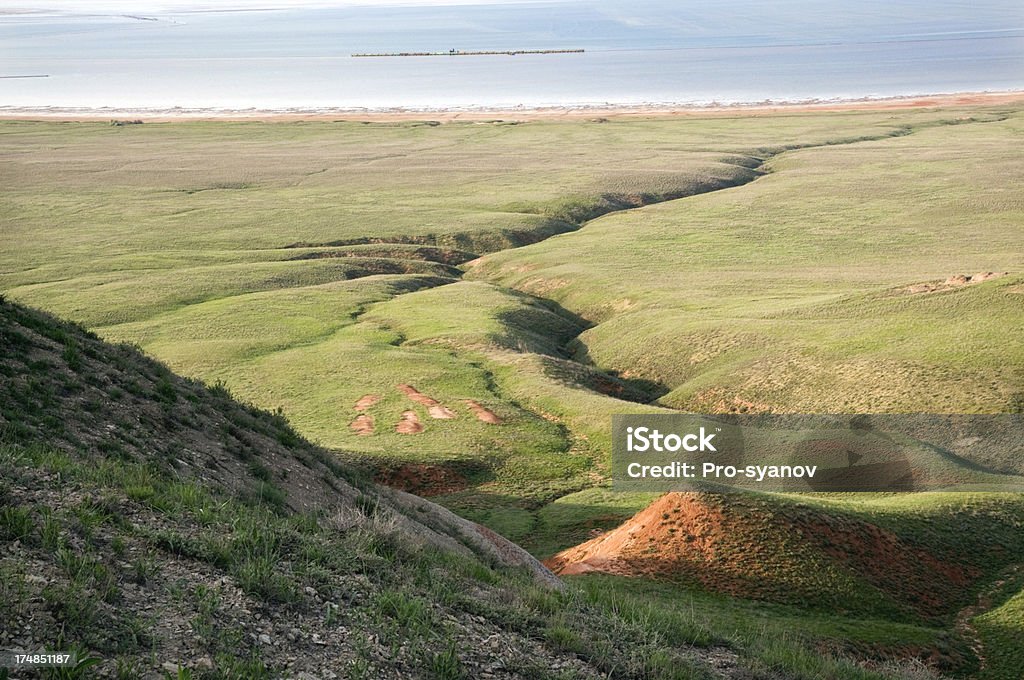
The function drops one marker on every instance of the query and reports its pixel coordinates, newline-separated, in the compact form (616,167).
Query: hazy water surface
(643,51)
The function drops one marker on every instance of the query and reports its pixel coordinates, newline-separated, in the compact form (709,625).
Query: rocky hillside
(164,529)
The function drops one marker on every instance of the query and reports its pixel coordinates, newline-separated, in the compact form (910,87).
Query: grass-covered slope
(162,528)
(998,630)
(157,524)
(820,287)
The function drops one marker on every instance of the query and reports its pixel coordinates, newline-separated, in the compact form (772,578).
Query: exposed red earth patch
(362,425)
(483,414)
(441,412)
(434,407)
(366,401)
(409,424)
(422,480)
(758,550)
(606,386)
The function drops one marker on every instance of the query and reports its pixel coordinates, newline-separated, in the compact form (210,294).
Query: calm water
(641,51)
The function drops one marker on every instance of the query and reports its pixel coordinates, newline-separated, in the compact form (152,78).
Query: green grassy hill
(802,291)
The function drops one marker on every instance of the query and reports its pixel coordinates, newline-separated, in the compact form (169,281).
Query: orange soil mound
(422,480)
(434,407)
(441,412)
(483,414)
(409,424)
(362,425)
(366,402)
(755,549)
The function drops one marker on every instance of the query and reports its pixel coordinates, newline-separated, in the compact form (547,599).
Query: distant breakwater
(461,53)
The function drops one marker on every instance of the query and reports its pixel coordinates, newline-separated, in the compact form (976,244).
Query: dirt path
(964,619)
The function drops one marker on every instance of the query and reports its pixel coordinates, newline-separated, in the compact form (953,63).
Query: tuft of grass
(84,661)
(144,568)
(410,612)
(563,638)
(445,665)
(16,523)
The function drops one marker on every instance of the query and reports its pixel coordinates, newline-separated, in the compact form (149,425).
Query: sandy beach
(519,114)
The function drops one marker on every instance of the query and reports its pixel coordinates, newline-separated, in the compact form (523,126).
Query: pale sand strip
(563,113)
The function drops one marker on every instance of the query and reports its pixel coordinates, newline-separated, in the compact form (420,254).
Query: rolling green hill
(817,288)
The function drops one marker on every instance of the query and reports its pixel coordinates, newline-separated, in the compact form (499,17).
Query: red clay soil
(434,407)
(422,480)
(483,414)
(409,424)
(757,550)
(619,551)
(362,425)
(367,401)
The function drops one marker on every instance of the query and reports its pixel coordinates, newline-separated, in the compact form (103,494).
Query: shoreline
(568,112)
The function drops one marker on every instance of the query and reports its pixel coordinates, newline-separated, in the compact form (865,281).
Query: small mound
(761,549)
(483,414)
(963,280)
(362,425)
(366,401)
(441,412)
(409,424)
(434,407)
(955,281)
